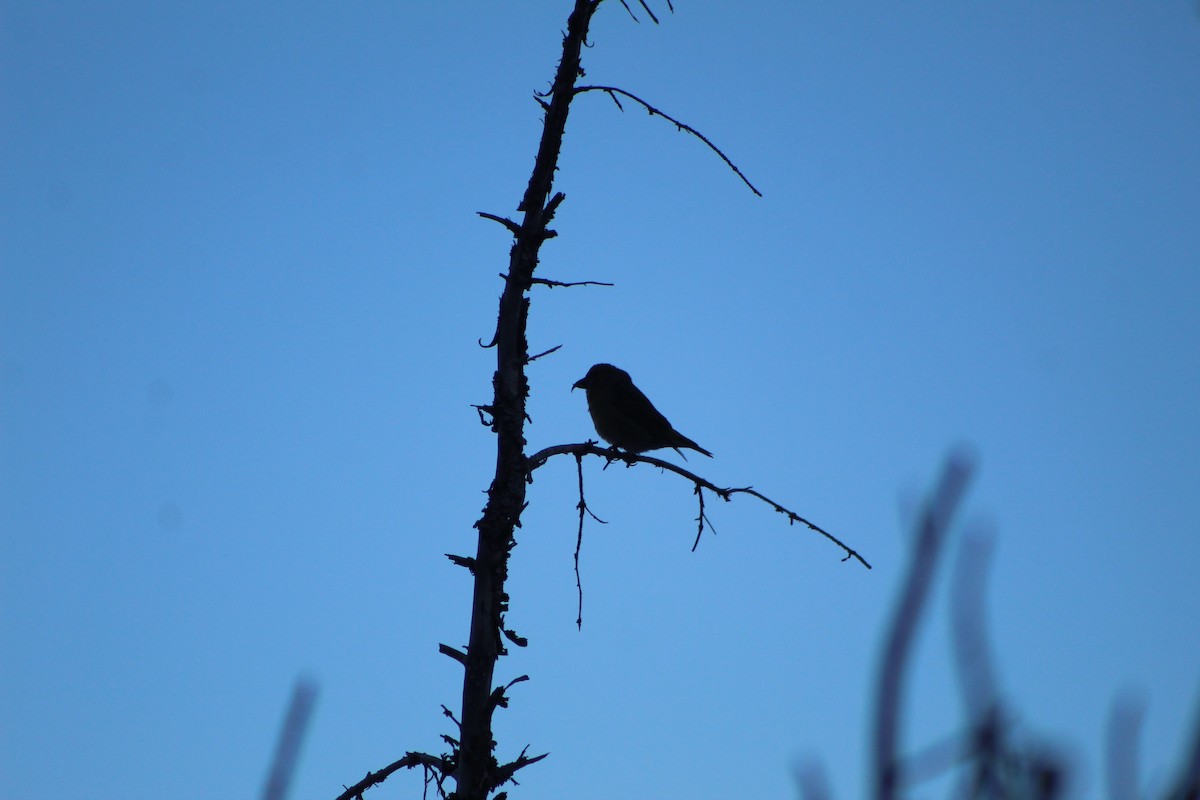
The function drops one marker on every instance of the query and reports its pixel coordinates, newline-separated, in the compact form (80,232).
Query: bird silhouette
(624,417)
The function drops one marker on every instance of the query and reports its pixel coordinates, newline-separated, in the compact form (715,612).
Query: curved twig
(539,458)
(438,765)
(613,91)
(513,227)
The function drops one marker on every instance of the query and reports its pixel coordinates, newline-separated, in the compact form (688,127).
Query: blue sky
(241,285)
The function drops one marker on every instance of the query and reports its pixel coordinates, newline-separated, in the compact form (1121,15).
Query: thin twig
(539,458)
(583,507)
(552,284)
(613,91)
(531,359)
(648,11)
(701,518)
(642,3)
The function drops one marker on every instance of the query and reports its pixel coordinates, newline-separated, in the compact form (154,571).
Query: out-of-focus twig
(984,744)
(811,781)
(927,546)
(1121,746)
(613,91)
(291,736)
(1187,785)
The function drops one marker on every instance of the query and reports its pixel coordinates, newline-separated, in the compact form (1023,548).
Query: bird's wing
(637,410)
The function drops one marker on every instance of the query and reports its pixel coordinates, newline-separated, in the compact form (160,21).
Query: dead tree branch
(583,508)
(552,284)
(613,91)
(513,227)
(642,3)
(439,768)
(472,762)
(725,493)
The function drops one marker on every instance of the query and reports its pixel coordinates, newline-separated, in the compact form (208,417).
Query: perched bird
(624,417)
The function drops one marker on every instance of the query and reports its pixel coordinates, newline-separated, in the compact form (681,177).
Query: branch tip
(513,227)
(613,91)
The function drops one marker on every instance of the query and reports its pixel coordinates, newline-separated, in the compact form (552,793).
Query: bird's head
(598,374)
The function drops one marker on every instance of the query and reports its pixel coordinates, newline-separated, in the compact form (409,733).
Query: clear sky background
(242,286)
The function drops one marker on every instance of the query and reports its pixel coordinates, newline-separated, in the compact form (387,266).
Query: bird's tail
(683,441)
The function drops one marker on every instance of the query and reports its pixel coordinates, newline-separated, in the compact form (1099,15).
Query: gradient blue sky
(242,284)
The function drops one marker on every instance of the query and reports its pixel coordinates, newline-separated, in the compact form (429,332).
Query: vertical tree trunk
(477,771)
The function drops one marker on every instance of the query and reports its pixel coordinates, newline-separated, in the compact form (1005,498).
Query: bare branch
(552,284)
(931,530)
(439,765)
(702,518)
(648,11)
(453,652)
(291,736)
(583,507)
(483,409)
(611,454)
(532,359)
(551,209)
(613,91)
(513,227)
(642,3)
(462,561)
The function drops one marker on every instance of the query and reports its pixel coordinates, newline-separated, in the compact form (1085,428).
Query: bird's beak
(578,384)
